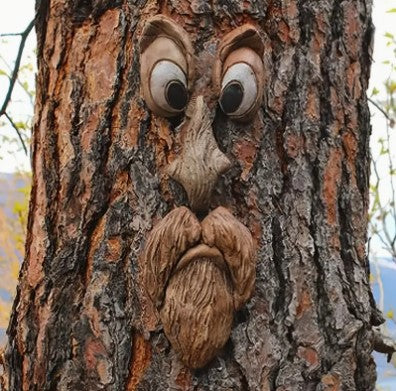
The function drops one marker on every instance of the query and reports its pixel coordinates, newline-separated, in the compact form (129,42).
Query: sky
(14,18)
(384,23)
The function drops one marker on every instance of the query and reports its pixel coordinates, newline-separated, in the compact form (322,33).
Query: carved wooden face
(198,272)
(172,82)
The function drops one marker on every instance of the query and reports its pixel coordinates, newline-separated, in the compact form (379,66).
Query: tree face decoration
(197,272)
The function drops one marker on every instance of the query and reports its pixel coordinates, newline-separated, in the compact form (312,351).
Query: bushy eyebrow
(246,35)
(162,26)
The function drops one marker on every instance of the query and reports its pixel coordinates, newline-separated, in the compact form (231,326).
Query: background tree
(300,183)
(382,213)
(19,75)
(16,111)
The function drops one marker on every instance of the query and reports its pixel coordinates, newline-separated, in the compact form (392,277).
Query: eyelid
(242,45)
(247,56)
(250,58)
(161,49)
(163,39)
(245,36)
(162,26)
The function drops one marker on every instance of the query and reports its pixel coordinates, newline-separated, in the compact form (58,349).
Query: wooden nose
(200,162)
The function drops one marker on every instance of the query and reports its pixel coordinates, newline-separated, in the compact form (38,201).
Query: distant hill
(9,187)
(11,198)
(387,273)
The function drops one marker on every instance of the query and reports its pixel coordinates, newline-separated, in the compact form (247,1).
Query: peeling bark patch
(294,145)
(183,379)
(135,116)
(353,80)
(351,149)
(114,247)
(319,38)
(331,179)
(246,152)
(331,382)
(36,248)
(93,350)
(90,126)
(162,141)
(140,360)
(102,64)
(352,27)
(284,32)
(43,316)
(313,107)
(304,303)
(309,355)
(96,240)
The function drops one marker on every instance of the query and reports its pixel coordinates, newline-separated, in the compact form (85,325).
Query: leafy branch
(3,110)
(382,214)
(18,132)
(379,108)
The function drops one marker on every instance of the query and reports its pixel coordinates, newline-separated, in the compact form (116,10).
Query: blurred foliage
(12,237)
(15,129)
(382,213)
(16,122)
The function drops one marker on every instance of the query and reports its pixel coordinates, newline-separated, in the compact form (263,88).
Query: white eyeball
(168,86)
(238,90)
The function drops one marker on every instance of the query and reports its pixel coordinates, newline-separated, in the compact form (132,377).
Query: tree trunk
(299,182)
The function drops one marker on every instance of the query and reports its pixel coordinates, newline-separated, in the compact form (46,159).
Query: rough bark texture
(299,182)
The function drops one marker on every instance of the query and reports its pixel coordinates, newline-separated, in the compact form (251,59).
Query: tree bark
(299,182)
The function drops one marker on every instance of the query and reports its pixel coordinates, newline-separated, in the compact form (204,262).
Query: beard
(201,293)
(195,275)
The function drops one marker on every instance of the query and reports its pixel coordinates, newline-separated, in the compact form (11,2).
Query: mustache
(196,274)
(179,231)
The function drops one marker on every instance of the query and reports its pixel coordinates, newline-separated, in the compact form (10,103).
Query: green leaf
(384,151)
(375,91)
(389,35)
(20,125)
(391,11)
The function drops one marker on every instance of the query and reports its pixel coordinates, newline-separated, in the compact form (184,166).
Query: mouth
(202,251)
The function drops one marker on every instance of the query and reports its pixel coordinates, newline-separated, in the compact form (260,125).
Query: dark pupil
(176,95)
(231,97)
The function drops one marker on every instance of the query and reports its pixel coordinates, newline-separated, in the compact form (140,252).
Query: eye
(238,74)
(168,87)
(166,66)
(238,90)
